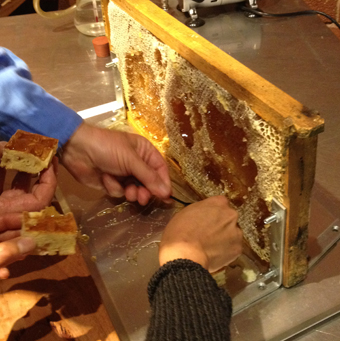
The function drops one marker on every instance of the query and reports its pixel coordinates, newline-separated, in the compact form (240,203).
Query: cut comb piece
(28,152)
(53,232)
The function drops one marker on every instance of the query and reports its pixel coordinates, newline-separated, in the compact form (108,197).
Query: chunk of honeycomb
(145,106)
(221,145)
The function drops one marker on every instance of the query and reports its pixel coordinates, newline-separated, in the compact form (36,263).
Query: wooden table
(52,291)
(51,297)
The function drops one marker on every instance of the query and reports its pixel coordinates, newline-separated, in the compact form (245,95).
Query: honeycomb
(144,102)
(220,144)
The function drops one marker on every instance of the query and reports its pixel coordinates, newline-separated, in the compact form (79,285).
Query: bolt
(262,286)
(271,219)
(335,228)
(112,64)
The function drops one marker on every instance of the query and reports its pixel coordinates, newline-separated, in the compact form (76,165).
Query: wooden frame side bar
(299,183)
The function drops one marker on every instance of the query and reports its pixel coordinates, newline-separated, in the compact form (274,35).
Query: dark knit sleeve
(187,304)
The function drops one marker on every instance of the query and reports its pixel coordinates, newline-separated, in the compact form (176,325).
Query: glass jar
(88,17)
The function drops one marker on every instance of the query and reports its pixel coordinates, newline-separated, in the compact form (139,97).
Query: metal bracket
(272,280)
(117,82)
(326,241)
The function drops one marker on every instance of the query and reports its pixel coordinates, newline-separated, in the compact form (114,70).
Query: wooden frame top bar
(266,100)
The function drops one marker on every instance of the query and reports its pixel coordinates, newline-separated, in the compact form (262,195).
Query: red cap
(101,46)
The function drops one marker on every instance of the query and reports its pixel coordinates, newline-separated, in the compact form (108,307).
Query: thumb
(15,249)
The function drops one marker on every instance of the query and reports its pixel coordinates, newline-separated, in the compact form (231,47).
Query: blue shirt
(27,106)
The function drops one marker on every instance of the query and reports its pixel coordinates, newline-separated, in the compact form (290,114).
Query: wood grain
(273,105)
(9,6)
(299,181)
(49,294)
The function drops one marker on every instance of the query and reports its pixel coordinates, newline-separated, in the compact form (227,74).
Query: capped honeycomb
(220,144)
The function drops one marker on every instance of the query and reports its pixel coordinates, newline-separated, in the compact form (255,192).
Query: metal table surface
(61,59)
(300,56)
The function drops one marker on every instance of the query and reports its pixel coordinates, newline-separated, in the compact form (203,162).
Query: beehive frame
(296,123)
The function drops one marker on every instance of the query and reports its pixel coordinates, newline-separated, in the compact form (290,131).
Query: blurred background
(18,7)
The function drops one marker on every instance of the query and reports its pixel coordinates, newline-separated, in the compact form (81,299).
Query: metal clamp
(113,63)
(117,81)
(326,241)
(271,280)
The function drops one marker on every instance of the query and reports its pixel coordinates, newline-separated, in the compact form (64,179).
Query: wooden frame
(295,122)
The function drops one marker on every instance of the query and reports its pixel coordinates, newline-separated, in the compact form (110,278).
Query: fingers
(205,232)
(10,234)
(15,249)
(157,163)
(130,190)
(2,178)
(137,193)
(17,200)
(10,221)
(158,183)
(149,167)
(45,188)
(22,181)
(4,273)
(96,157)
(112,186)
(143,195)
(131,193)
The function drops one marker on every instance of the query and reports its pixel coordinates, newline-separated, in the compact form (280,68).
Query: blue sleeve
(25,105)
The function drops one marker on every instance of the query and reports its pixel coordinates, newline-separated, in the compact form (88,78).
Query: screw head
(335,228)
(262,286)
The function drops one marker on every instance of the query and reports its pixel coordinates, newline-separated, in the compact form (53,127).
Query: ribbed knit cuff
(187,304)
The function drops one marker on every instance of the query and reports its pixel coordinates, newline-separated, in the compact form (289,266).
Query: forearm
(25,105)
(187,304)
